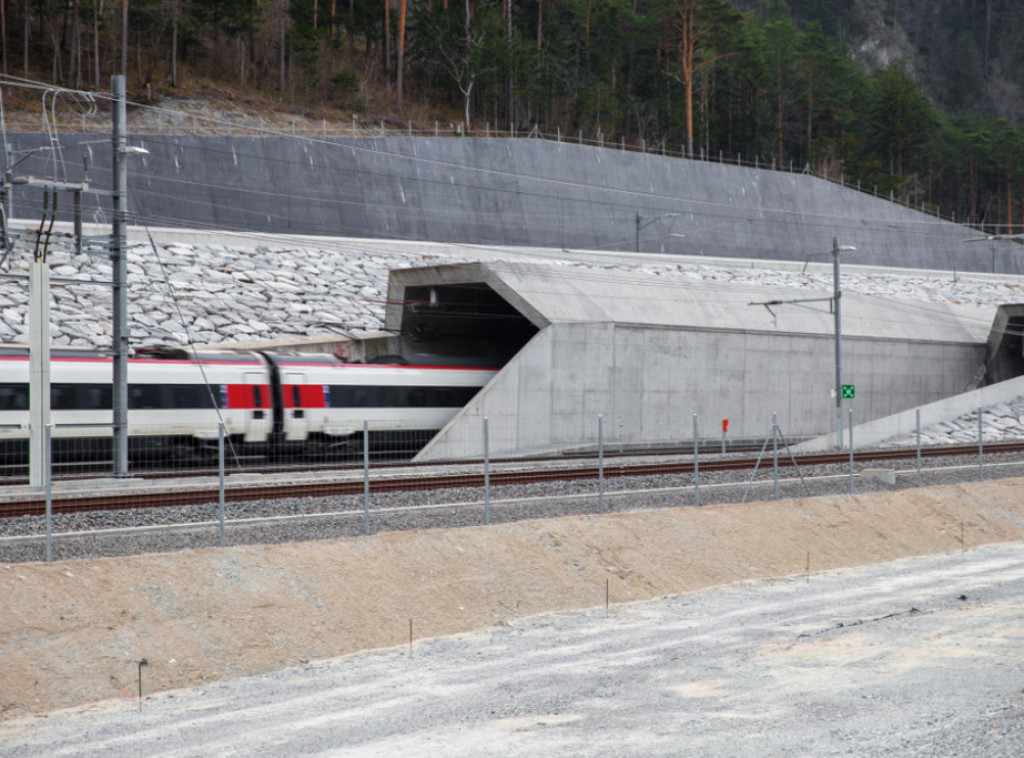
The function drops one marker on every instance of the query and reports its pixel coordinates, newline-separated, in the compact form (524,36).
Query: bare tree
(695,27)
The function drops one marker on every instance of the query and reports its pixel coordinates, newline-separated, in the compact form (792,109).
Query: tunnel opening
(465,321)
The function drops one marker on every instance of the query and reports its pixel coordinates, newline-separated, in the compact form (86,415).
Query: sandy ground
(72,633)
(911,658)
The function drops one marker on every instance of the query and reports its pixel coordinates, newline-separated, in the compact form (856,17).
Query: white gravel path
(921,657)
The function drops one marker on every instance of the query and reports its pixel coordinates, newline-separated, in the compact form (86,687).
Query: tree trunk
(174,44)
(540,24)
(28,33)
(3,31)
(810,107)
(1009,205)
(96,45)
(387,35)
(75,58)
(401,50)
(283,62)
(124,37)
(778,121)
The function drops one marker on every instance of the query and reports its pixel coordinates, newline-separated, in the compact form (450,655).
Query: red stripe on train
(248,395)
(309,396)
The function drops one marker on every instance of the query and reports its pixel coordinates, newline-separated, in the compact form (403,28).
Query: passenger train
(313,404)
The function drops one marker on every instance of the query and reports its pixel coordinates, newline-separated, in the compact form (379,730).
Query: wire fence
(370,486)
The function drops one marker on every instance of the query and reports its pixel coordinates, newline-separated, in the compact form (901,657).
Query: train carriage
(174,403)
(325,401)
(270,404)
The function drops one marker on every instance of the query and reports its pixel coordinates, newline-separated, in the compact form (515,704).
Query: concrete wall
(648,382)
(905,422)
(504,192)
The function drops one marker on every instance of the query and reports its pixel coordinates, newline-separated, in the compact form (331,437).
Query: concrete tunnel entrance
(648,354)
(468,320)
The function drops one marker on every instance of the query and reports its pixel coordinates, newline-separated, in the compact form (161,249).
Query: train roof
(414,360)
(141,354)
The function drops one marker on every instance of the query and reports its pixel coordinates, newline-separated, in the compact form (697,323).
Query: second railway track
(161,492)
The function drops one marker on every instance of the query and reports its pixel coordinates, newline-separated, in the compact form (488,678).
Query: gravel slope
(879,661)
(71,632)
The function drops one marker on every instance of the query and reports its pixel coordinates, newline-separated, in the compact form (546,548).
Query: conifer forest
(922,99)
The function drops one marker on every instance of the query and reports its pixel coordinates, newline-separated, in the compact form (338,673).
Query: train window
(296,399)
(257,397)
(13,397)
(160,396)
(354,396)
(80,397)
(94,397)
(144,396)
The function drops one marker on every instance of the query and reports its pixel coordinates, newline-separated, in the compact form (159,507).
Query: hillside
(968,56)
(922,100)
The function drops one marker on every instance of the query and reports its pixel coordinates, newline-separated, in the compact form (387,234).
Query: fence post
(600,463)
(918,447)
(48,476)
(487,474)
(696,464)
(220,474)
(981,449)
(850,426)
(366,476)
(775,451)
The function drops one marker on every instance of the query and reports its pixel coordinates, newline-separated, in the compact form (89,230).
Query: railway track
(112,495)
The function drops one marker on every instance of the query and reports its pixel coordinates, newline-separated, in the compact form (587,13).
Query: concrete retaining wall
(648,382)
(504,192)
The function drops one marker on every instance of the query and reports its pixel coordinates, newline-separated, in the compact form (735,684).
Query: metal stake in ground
(142,662)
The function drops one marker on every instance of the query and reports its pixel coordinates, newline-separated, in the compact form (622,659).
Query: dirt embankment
(73,632)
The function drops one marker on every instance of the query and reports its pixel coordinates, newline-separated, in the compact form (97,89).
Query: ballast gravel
(147,530)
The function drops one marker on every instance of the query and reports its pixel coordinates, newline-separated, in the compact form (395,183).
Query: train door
(259,412)
(296,412)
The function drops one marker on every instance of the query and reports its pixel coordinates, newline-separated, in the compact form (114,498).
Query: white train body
(268,403)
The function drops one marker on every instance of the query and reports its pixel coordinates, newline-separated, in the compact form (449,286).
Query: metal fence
(371,486)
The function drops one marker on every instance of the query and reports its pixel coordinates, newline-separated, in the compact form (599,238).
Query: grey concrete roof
(550,294)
